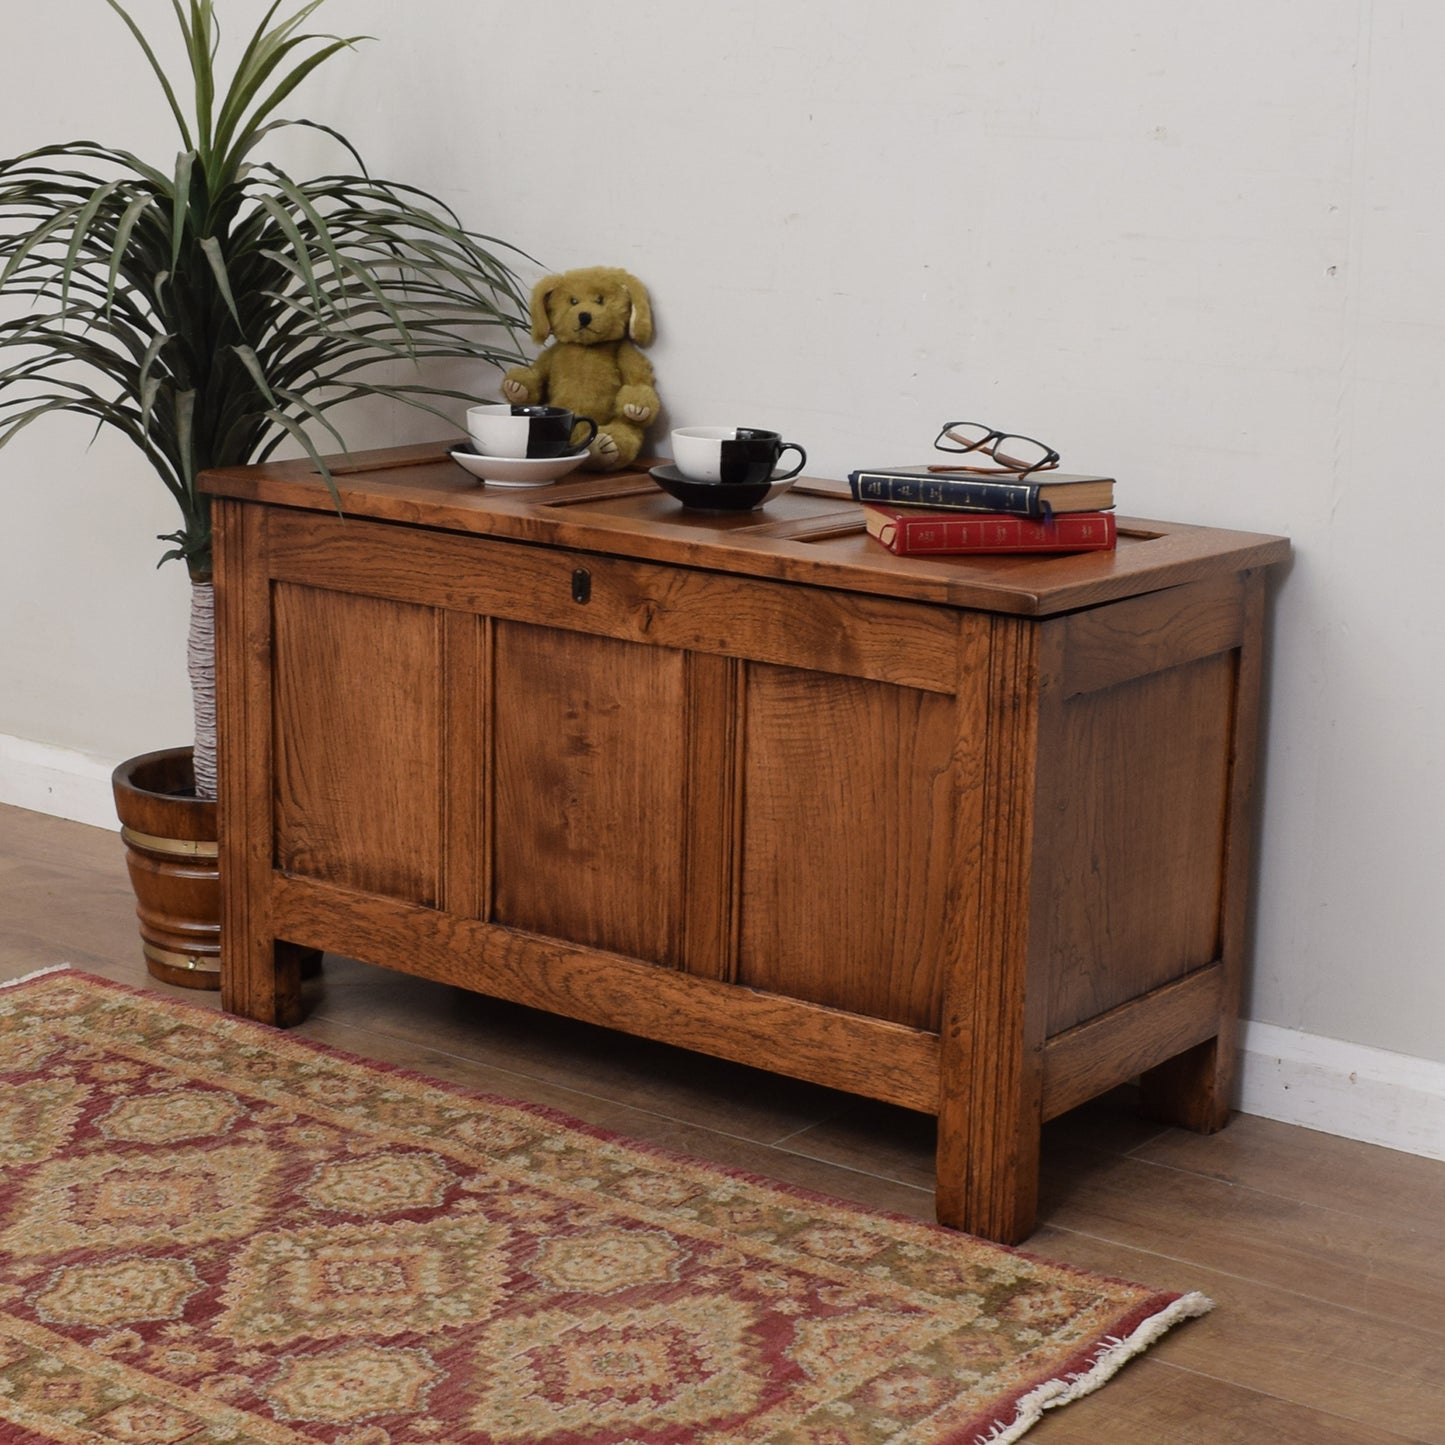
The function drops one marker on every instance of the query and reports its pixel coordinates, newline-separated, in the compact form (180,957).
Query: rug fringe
(1112,1356)
(39,973)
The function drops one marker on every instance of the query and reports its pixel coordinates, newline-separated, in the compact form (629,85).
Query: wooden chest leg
(290,959)
(261,978)
(990,1098)
(990,1120)
(260,975)
(988,1171)
(1193,1089)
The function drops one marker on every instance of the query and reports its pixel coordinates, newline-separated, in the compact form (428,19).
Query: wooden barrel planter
(172,853)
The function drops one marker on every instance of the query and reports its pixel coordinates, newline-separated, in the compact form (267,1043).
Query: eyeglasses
(1009,453)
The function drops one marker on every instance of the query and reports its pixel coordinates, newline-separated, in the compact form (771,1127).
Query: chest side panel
(1135,796)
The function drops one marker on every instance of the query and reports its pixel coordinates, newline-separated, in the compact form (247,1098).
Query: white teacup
(502,430)
(732,454)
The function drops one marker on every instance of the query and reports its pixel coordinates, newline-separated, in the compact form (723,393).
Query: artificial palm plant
(216,308)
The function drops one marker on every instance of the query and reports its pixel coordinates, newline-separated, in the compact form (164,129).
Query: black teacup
(503,430)
(732,454)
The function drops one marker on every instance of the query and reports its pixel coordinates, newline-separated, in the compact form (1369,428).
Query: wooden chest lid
(812,535)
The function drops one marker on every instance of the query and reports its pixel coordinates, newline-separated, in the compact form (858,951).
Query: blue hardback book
(1037,496)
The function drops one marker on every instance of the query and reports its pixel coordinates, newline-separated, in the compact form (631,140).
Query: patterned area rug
(212,1233)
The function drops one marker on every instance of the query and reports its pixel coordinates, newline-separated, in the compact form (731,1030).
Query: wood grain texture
(1152,1403)
(1196,1089)
(423,485)
(630,601)
(467,743)
(712,809)
(1110,645)
(1270,1363)
(846,843)
(842,1050)
(1137,836)
(1373,1266)
(256,978)
(65,895)
(359,741)
(1093,1057)
(990,1089)
(1272,1158)
(590,782)
(747,787)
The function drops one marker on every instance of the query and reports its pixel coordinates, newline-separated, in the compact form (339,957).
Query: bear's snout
(584,318)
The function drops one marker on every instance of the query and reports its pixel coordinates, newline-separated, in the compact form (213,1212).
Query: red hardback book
(915,532)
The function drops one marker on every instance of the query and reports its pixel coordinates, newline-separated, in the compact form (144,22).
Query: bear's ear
(639,323)
(541,294)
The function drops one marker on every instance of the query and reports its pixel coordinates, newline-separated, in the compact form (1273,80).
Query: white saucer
(515,471)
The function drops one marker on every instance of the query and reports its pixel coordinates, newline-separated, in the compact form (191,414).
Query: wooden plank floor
(1326,1258)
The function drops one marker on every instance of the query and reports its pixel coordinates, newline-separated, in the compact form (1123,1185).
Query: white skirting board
(1342,1088)
(1320,1083)
(58,781)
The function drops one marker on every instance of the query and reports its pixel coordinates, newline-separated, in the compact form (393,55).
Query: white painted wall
(1197,246)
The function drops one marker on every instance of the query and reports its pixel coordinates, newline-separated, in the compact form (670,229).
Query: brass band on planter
(192,961)
(176,847)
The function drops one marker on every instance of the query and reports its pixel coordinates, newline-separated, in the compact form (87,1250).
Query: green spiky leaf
(215,307)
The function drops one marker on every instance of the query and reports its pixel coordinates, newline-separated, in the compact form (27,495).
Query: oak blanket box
(967,835)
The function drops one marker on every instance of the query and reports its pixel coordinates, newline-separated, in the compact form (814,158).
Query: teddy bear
(599,316)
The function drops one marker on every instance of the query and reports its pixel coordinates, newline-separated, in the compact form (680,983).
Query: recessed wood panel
(847,808)
(358,741)
(589,789)
(1134,839)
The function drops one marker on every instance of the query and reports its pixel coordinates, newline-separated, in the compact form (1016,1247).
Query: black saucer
(717,496)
